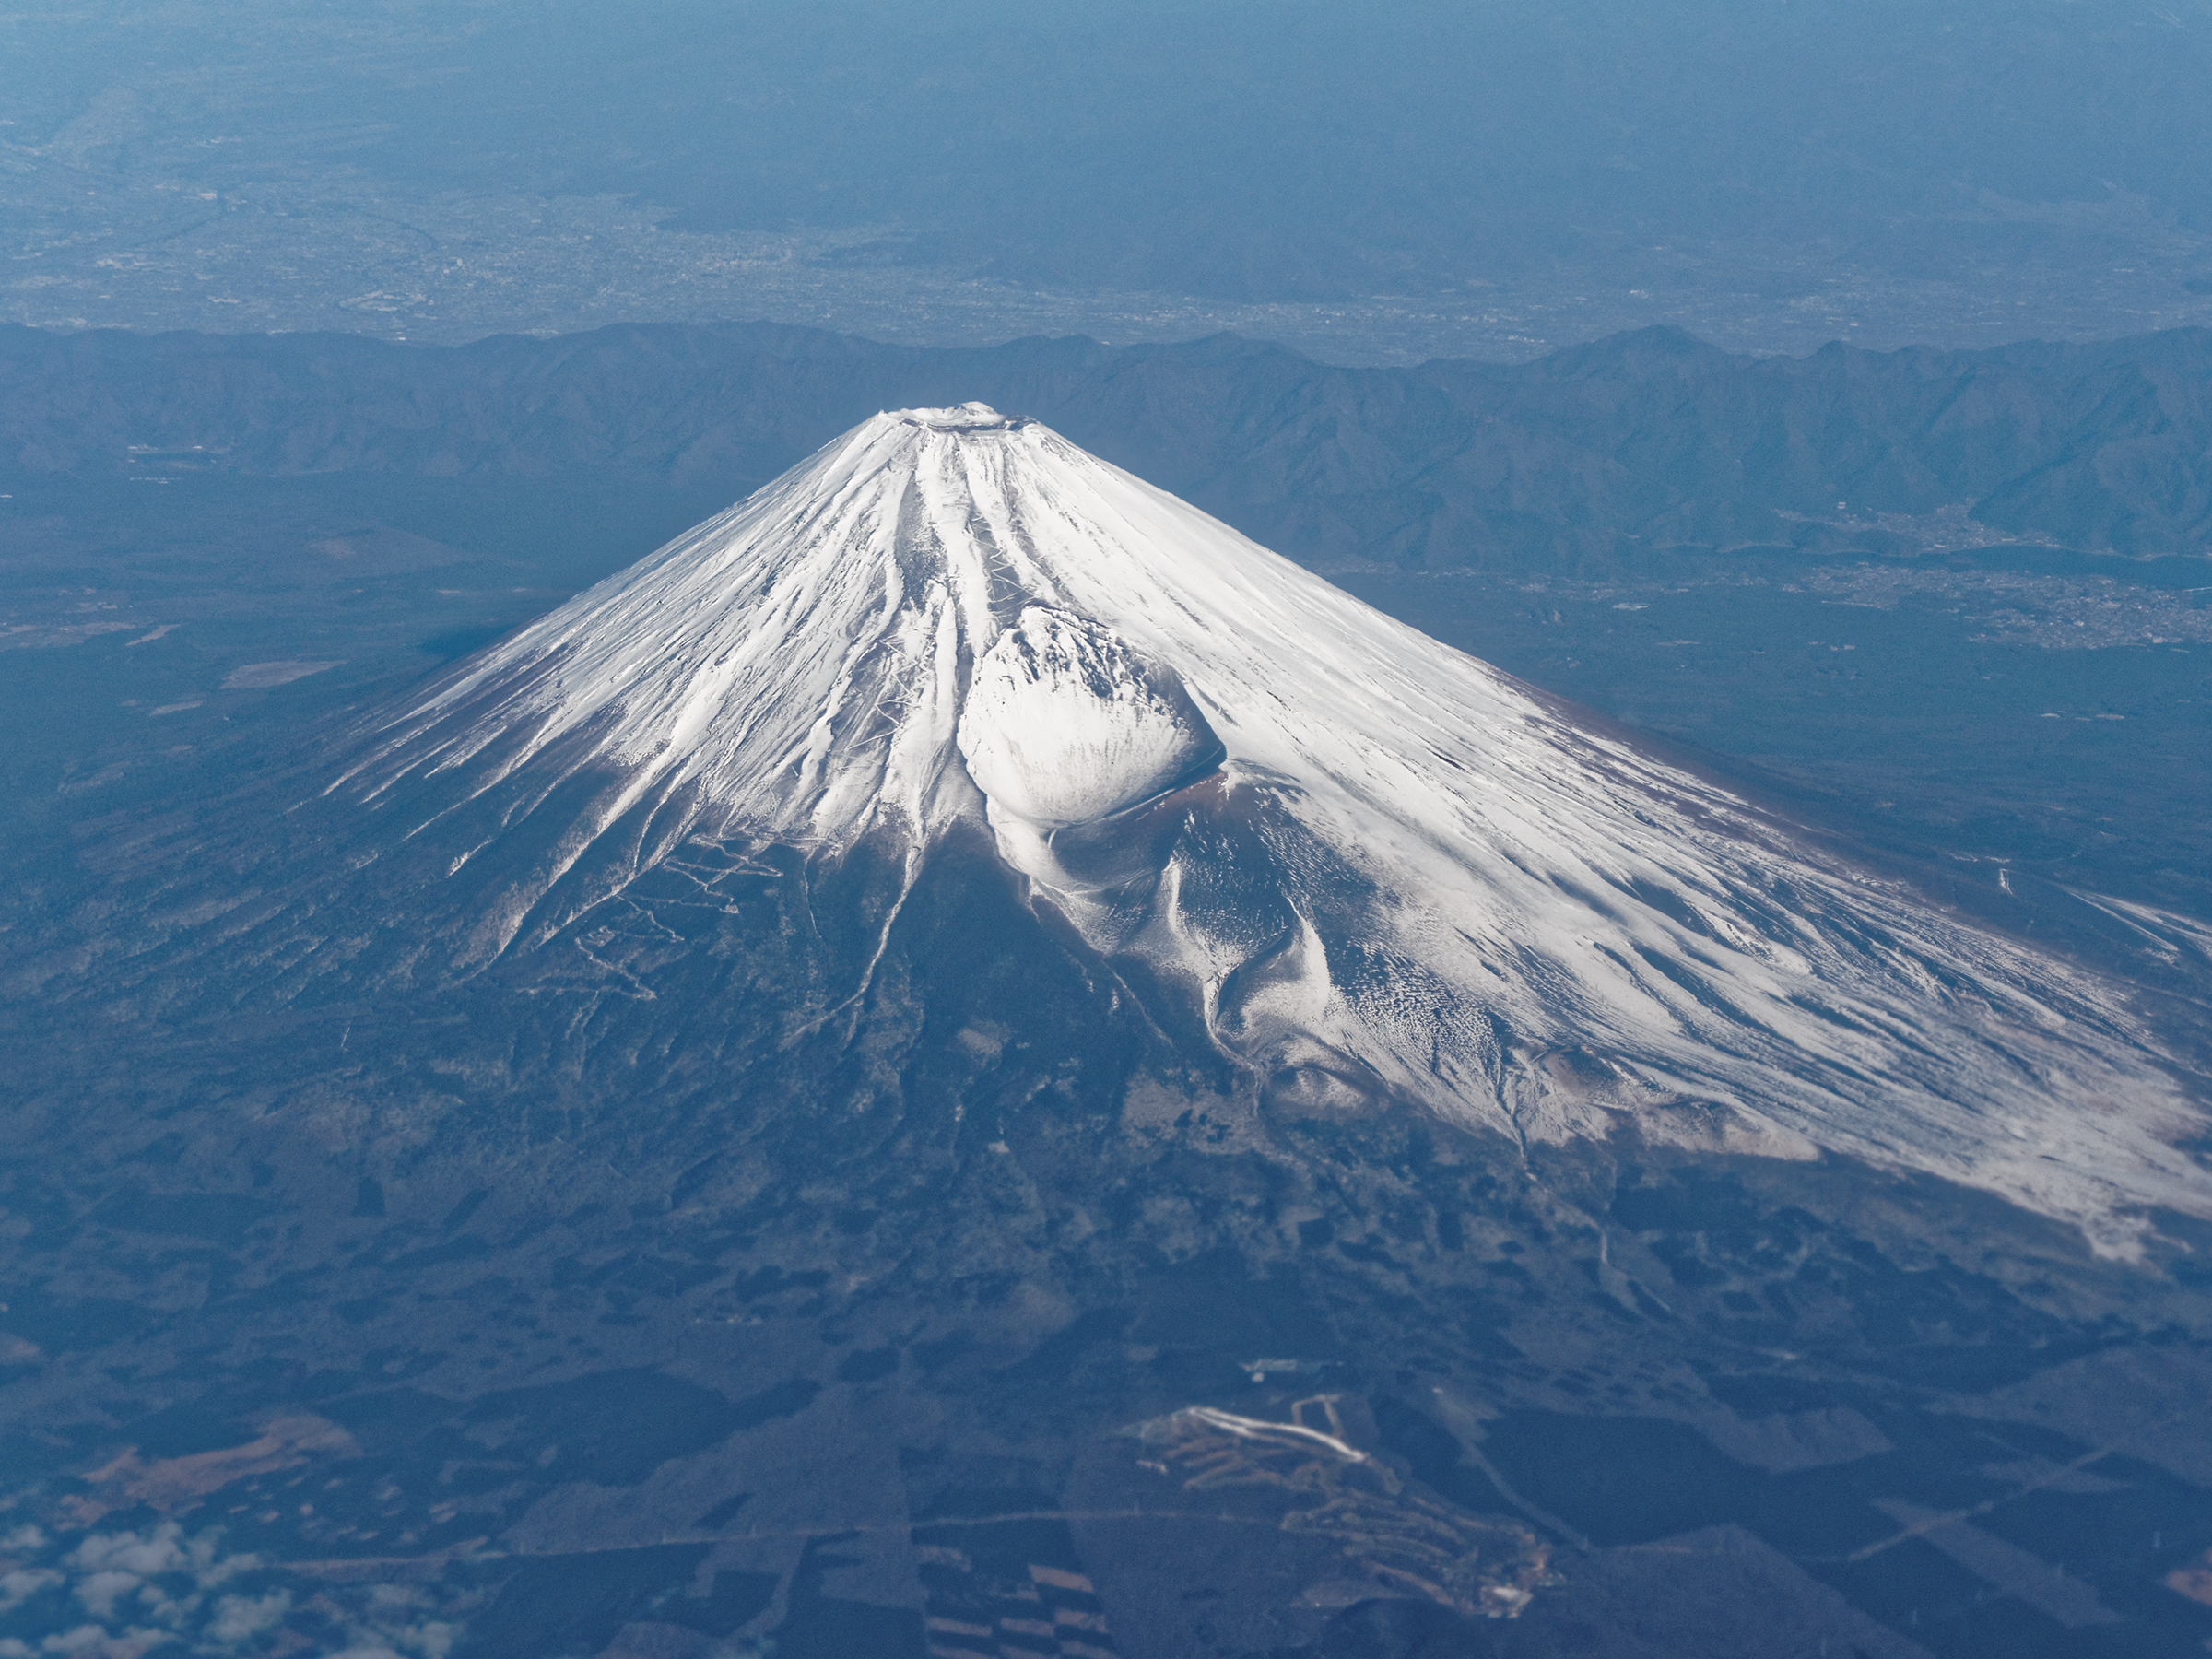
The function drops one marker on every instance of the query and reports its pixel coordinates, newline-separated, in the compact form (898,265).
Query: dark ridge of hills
(1623,454)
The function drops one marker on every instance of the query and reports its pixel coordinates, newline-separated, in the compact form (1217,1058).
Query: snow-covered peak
(1377,869)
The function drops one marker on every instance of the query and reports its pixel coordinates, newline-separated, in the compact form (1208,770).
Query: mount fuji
(965,1061)
(1332,866)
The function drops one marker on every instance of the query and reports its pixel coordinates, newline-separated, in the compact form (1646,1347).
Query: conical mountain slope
(1369,869)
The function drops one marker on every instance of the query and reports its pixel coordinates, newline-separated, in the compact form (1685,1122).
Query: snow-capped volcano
(1368,867)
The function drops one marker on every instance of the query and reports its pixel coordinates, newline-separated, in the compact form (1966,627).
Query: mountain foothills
(963,1060)
(1615,456)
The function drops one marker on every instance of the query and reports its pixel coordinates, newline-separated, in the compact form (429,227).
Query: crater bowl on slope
(1065,723)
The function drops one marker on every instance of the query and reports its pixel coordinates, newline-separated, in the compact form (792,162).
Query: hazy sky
(1921,161)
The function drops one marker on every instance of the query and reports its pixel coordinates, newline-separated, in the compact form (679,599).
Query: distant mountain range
(1627,454)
